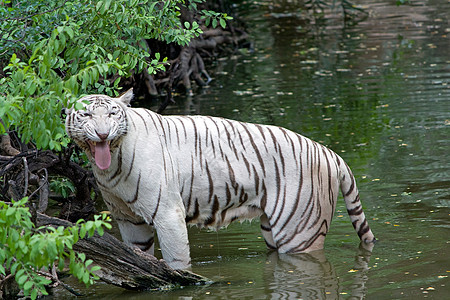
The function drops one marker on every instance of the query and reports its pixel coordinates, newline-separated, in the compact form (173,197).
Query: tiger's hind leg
(266,231)
(138,234)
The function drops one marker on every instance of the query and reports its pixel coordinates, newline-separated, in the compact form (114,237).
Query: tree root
(185,64)
(26,174)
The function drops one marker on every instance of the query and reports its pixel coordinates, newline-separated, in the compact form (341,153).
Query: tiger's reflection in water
(312,276)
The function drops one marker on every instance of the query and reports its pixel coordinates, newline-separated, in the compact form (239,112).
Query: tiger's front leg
(172,233)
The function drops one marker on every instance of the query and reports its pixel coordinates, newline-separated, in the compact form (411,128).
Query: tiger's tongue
(102,155)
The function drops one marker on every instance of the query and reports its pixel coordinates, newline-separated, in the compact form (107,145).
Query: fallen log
(124,266)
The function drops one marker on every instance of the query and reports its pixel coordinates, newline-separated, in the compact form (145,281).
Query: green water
(378,93)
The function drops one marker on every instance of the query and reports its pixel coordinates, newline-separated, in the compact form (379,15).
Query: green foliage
(26,252)
(53,52)
(214,18)
(62,186)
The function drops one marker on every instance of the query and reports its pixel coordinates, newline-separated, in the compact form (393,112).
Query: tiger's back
(210,171)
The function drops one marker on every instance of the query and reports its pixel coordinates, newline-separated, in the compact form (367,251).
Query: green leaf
(79,106)
(10,211)
(223,23)
(33,294)
(99,5)
(21,280)
(82,256)
(86,278)
(95,268)
(28,285)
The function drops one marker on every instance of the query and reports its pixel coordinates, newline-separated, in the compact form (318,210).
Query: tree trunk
(127,267)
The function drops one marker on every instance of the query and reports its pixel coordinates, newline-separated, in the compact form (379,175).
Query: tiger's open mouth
(101,153)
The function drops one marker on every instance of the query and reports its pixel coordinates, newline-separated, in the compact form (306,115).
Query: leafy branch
(28,253)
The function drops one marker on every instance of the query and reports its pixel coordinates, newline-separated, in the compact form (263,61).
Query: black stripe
(196,213)
(212,145)
(241,140)
(215,207)
(217,126)
(234,184)
(243,196)
(258,154)
(356,199)
(143,120)
(352,186)
(206,133)
(264,197)
(221,151)
(230,142)
(192,184)
(281,156)
(210,182)
(195,135)
(270,246)
(144,246)
(228,193)
(184,128)
(355,211)
(132,162)
(160,119)
(119,165)
(364,228)
(136,194)
(265,228)
(330,190)
(134,124)
(157,205)
(256,180)
(231,125)
(261,131)
(247,164)
(224,211)
(274,139)
(288,139)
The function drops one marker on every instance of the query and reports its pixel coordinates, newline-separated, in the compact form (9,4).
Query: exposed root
(26,174)
(186,64)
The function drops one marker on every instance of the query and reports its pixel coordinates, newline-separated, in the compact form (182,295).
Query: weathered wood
(127,267)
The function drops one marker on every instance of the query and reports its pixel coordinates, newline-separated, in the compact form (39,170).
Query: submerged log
(124,266)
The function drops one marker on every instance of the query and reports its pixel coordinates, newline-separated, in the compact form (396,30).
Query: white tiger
(166,171)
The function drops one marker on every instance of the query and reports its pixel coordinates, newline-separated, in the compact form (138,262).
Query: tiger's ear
(126,97)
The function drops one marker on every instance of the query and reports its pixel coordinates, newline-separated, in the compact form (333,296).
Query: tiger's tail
(353,204)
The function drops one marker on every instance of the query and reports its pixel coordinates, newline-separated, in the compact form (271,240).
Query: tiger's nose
(102,136)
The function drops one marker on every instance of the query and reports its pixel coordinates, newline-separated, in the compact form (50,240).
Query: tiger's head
(99,126)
